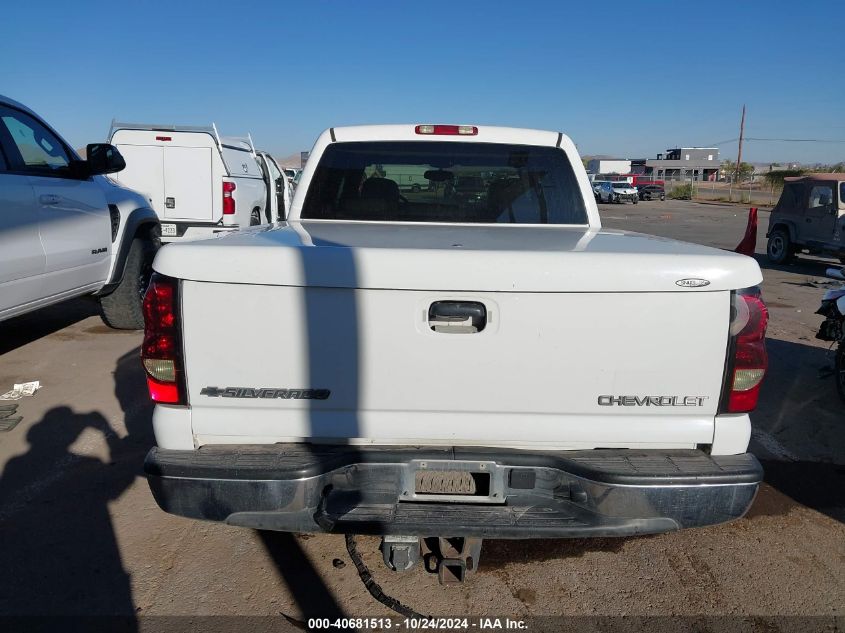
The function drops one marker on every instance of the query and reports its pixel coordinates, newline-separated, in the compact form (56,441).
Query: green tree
(775,177)
(745,170)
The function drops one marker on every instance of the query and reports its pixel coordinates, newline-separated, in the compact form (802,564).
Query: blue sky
(619,80)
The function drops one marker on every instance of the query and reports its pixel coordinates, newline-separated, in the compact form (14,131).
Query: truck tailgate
(558,370)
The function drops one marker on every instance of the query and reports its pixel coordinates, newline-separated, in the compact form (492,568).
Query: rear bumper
(520,494)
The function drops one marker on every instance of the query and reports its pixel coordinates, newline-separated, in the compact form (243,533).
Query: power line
(796,140)
(778,140)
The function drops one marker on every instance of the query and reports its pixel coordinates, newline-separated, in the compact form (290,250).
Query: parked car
(651,192)
(809,216)
(279,188)
(505,370)
(292,173)
(470,189)
(67,230)
(617,191)
(198,182)
(596,186)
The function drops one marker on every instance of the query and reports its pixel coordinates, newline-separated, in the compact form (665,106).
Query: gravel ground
(82,535)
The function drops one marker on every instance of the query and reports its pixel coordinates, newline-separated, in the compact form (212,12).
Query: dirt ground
(81,534)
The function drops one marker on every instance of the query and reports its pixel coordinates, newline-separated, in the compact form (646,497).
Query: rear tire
(255,217)
(123,309)
(779,248)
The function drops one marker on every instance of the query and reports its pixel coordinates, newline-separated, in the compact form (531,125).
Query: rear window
(430,181)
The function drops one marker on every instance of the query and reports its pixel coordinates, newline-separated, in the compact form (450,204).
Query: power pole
(739,151)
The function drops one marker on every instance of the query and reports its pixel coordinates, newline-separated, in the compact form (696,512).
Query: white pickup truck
(423,364)
(199,183)
(66,229)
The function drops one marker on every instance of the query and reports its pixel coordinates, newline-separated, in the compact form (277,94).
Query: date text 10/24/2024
(418,624)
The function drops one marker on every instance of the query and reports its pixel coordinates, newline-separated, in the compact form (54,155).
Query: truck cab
(809,216)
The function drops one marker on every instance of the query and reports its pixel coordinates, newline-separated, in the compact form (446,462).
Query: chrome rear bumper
(405,490)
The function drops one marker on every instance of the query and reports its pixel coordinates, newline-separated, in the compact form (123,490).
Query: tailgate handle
(457,317)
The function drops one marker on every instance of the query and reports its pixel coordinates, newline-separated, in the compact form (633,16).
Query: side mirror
(103,158)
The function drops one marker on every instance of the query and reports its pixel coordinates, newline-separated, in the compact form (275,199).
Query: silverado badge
(265,392)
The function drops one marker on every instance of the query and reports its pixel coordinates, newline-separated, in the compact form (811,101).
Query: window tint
(37,149)
(820,196)
(433,181)
(842,194)
(790,200)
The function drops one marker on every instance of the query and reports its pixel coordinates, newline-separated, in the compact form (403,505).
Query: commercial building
(609,166)
(681,163)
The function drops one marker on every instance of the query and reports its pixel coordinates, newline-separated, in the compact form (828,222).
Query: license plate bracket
(453,481)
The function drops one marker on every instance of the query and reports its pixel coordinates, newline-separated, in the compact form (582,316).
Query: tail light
(161,351)
(228,200)
(447,130)
(748,361)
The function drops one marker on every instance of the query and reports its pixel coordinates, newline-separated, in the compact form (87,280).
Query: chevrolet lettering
(652,401)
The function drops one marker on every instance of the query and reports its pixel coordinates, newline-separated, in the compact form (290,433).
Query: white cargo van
(198,182)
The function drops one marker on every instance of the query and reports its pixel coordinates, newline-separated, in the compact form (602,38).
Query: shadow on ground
(813,484)
(804,415)
(60,555)
(304,582)
(806,265)
(25,329)
(500,553)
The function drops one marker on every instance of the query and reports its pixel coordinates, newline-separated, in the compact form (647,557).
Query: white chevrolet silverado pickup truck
(427,365)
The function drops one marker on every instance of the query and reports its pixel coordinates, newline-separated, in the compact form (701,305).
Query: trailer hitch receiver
(400,553)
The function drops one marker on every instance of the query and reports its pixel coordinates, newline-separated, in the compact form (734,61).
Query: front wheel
(840,370)
(636,200)
(779,248)
(123,308)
